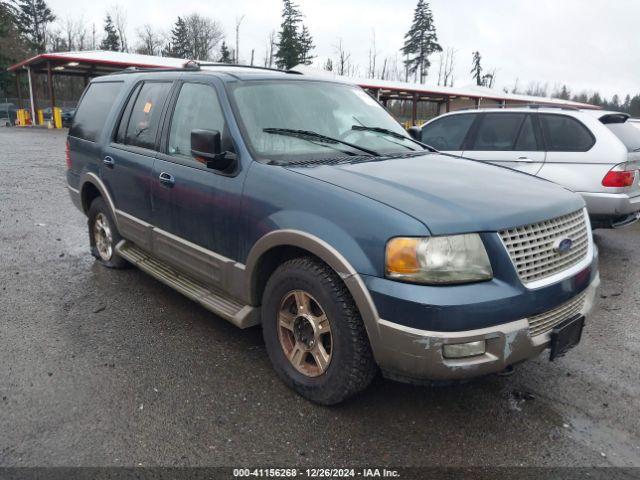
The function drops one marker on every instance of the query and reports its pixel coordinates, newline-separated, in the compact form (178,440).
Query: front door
(195,208)
(508,139)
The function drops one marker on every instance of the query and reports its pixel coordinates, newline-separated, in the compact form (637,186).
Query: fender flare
(328,254)
(92,178)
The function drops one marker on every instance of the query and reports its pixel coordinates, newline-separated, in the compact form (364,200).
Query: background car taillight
(619,177)
(68,153)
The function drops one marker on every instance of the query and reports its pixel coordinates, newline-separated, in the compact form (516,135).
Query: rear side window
(527,138)
(92,112)
(498,131)
(143,114)
(627,133)
(448,133)
(565,134)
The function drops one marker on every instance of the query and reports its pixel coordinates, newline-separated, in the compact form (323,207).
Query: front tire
(314,334)
(104,236)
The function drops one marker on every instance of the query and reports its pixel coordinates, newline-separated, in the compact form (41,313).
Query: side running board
(211,298)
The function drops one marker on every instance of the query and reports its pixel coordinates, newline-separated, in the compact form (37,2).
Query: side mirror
(206,146)
(415,133)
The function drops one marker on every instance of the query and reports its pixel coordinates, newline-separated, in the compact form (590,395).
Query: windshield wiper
(393,134)
(309,135)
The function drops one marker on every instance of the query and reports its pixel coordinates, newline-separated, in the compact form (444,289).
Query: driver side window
(197,107)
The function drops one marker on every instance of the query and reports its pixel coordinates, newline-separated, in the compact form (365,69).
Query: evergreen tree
(595,99)
(564,93)
(306,46)
(627,103)
(420,41)
(294,40)
(476,69)
(33,16)
(615,102)
(179,42)
(14,48)
(225,54)
(111,41)
(634,106)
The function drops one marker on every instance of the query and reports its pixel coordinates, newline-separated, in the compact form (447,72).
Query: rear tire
(104,235)
(314,334)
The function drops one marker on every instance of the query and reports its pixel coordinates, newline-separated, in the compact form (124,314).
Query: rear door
(448,133)
(508,139)
(127,162)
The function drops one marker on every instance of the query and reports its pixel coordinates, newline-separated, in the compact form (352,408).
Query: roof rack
(528,105)
(237,65)
(195,65)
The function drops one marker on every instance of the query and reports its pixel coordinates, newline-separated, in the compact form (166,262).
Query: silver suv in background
(592,152)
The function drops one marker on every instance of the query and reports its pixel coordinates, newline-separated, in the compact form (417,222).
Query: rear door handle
(108,161)
(525,160)
(167,179)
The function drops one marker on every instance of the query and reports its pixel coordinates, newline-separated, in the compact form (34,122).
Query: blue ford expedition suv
(301,205)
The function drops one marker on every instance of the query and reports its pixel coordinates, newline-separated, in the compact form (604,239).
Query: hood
(452,195)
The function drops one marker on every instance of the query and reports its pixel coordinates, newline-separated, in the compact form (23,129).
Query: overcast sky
(589,45)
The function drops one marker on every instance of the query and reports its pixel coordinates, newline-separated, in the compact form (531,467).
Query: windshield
(627,133)
(328,109)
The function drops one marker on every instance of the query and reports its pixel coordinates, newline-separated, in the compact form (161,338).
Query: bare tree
(150,40)
(343,66)
(119,15)
(448,67)
(81,34)
(203,36)
(237,54)
(373,55)
(270,49)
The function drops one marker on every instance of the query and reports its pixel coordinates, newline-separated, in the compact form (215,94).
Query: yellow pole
(57,117)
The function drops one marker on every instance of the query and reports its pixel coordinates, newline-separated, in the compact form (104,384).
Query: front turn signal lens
(402,256)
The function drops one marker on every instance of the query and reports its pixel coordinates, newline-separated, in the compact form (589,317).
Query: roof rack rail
(238,65)
(527,105)
(195,65)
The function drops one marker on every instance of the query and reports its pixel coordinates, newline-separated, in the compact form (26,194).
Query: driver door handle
(525,160)
(167,179)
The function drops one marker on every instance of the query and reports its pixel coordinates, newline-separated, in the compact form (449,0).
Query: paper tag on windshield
(147,107)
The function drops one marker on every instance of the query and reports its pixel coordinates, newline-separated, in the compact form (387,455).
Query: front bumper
(414,355)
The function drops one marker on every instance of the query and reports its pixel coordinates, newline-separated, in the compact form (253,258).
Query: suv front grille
(533,251)
(539,324)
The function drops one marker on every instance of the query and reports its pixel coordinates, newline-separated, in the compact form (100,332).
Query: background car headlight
(438,260)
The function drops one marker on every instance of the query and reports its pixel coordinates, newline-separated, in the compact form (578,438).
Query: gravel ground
(101,367)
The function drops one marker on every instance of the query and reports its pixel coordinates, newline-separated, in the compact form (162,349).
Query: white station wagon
(592,152)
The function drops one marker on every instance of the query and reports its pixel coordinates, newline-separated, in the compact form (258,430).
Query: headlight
(438,260)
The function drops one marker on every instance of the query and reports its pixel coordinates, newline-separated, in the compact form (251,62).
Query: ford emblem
(562,245)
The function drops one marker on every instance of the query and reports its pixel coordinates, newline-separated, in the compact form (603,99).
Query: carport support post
(32,97)
(52,95)
(414,109)
(18,89)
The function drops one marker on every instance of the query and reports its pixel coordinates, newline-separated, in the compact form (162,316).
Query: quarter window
(565,134)
(197,107)
(448,133)
(92,113)
(498,131)
(145,115)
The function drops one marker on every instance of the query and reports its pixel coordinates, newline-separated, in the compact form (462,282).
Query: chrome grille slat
(544,322)
(531,247)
